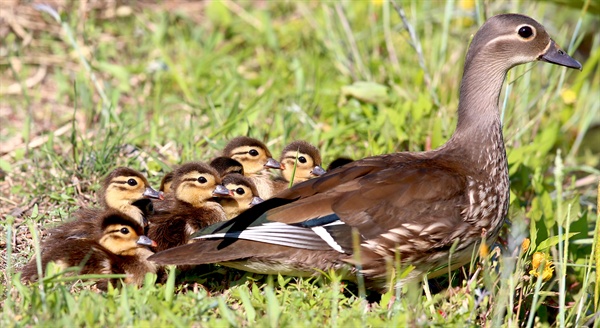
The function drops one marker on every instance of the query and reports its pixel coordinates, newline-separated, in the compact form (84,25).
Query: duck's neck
(479,129)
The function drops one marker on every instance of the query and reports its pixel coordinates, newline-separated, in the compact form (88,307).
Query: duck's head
(252,153)
(508,40)
(305,157)
(166,182)
(243,191)
(123,187)
(123,235)
(227,165)
(196,183)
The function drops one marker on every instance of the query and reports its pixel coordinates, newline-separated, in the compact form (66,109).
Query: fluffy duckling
(124,190)
(306,159)
(339,162)
(243,195)
(227,165)
(166,182)
(190,207)
(121,249)
(256,159)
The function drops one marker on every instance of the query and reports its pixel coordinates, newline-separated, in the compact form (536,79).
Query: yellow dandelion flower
(525,245)
(548,271)
(568,96)
(484,250)
(377,2)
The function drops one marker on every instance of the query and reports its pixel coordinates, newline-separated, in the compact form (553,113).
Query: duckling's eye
(302,159)
(131,182)
(202,180)
(253,152)
(240,191)
(124,231)
(525,32)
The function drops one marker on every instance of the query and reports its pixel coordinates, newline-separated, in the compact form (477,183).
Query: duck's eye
(132,182)
(525,32)
(302,159)
(253,152)
(202,180)
(240,191)
(124,231)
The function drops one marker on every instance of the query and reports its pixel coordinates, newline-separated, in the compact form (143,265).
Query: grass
(167,86)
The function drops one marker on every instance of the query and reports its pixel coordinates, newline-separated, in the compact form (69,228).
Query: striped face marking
(252,158)
(196,187)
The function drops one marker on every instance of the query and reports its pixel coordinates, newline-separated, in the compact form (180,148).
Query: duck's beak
(256,200)
(556,55)
(143,240)
(318,171)
(151,193)
(221,190)
(273,164)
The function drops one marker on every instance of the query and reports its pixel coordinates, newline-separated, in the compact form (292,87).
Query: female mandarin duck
(428,209)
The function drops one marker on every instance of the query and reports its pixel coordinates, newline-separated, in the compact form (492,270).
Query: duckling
(339,162)
(166,182)
(121,249)
(307,165)
(190,206)
(255,158)
(124,190)
(226,165)
(243,195)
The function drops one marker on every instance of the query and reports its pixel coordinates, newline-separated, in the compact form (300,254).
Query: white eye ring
(526,32)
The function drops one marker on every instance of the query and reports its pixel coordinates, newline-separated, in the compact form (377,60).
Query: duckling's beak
(256,200)
(273,164)
(151,193)
(556,55)
(318,171)
(221,190)
(143,240)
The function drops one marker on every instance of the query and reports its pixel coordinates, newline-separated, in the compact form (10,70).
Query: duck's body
(243,195)
(190,207)
(256,160)
(123,190)
(427,209)
(120,249)
(300,161)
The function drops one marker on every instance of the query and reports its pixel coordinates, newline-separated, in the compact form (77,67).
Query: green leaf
(554,240)
(368,92)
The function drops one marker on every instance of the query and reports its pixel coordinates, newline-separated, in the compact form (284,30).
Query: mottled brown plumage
(227,165)
(121,248)
(190,207)
(301,161)
(256,160)
(411,206)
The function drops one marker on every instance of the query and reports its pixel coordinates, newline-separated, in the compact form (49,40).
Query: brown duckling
(301,161)
(339,162)
(256,159)
(166,182)
(121,249)
(190,207)
(243,195)
(124,190)
(227,165)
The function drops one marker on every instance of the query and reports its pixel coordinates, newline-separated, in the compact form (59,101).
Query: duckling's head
(166,182)
(123,235)
(122,188)
(308,163)
(252,153)
(227,165)
(243,193)
(508,40)
(196,183)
